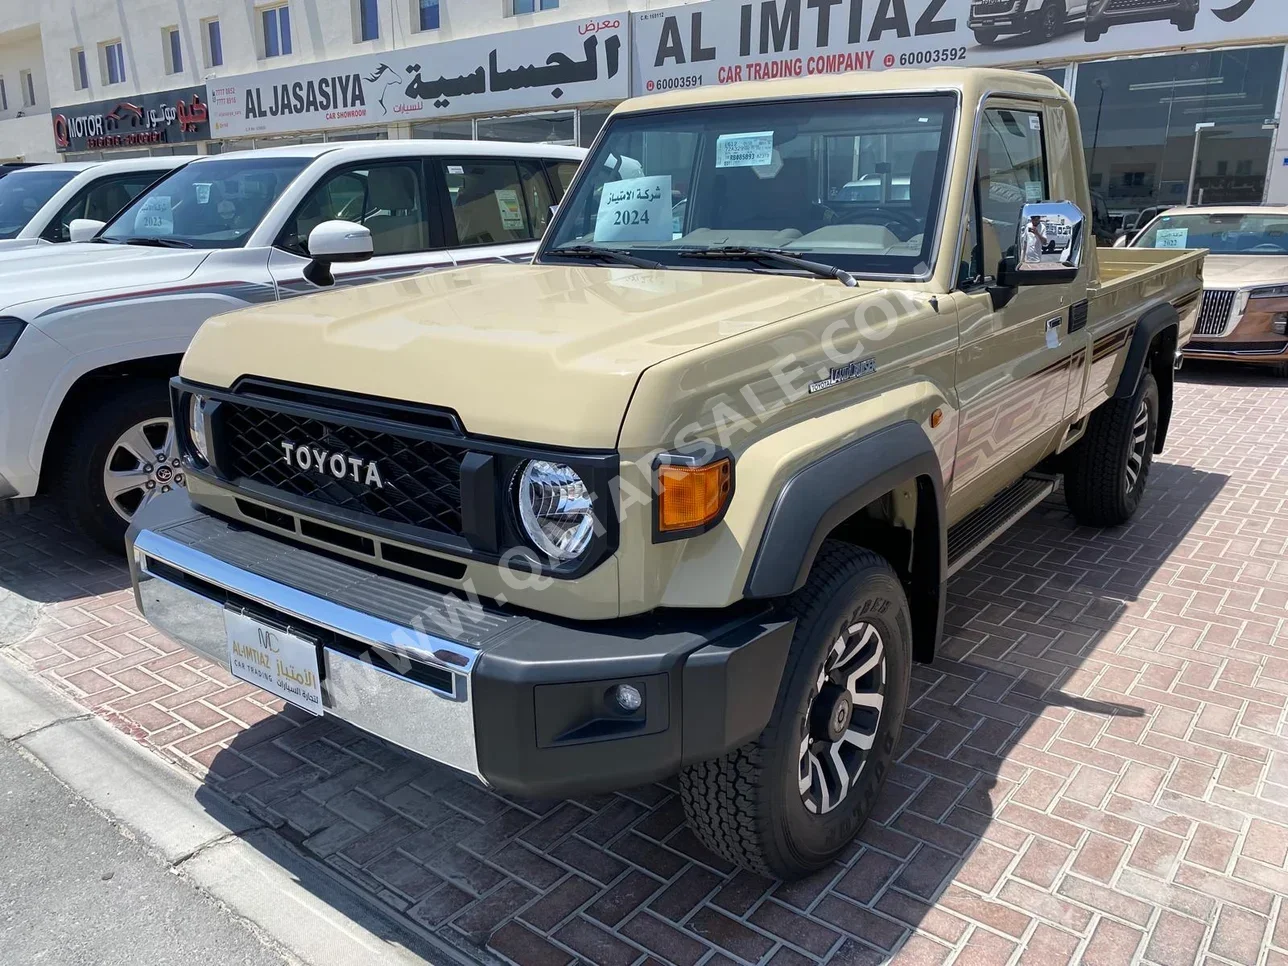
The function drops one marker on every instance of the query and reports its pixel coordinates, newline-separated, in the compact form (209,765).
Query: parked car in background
(91,332)
(1103,14)
(38,205)
(990,20)
(1245,279)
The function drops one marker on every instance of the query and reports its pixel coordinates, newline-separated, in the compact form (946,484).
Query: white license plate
(278,662)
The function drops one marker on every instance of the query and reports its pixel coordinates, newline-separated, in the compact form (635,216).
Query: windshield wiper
(775,256)
(605,254)
(157,242)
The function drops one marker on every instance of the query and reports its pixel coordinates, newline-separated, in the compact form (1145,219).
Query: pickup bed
(684,495)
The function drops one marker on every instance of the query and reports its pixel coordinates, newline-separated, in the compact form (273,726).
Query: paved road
(75,890)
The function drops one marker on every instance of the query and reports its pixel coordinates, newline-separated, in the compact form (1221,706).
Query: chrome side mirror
(1050,244)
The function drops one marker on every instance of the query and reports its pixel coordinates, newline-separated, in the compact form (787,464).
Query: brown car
(1245,279)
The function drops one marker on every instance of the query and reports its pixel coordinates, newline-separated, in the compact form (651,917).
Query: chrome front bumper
(185,592)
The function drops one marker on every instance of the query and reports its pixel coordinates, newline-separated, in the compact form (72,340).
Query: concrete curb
(220,848)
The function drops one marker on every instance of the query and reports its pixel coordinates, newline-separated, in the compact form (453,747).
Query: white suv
(91,333)
(1044,19)
(38,204)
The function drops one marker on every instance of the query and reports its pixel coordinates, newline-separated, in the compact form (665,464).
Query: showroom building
(1179,99)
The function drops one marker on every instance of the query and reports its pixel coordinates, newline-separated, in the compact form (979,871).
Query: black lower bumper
(525,703)
(1110,17)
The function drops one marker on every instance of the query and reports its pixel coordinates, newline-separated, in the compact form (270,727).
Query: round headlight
(555,508)
(197,428)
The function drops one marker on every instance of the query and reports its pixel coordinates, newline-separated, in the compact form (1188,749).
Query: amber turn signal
(690,497)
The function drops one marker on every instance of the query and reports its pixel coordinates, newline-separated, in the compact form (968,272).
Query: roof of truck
(973,82)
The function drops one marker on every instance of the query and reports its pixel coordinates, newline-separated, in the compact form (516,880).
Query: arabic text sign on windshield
(538,67)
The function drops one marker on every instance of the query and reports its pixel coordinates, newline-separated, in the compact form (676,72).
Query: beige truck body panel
(639,361)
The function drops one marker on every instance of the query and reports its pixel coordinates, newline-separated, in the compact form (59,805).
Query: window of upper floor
(111,61)
(80,69)
(366,20)
(172,48)
(212,43)
(275,28)
(426,14)
(532,6)
(28,85)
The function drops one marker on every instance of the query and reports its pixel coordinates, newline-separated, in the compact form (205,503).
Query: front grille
(992,6)
(1135,4)
(1215,314)
(422,478)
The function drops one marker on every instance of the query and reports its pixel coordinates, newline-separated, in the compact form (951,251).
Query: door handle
(1053,324)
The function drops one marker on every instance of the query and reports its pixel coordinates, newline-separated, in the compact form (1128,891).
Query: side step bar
(971,536)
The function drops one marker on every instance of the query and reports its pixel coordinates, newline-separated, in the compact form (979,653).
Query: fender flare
(822,495)
(1148,327)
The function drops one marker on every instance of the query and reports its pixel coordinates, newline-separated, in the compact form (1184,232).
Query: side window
(488,202)
(1012,173)
(536,194)
(562,173)
(971,269)
(100,201)
(385,198)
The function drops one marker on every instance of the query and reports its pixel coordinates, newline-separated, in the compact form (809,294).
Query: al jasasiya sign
(167,117)
(577,61)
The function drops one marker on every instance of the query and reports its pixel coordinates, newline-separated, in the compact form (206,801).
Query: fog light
(628,698)
(1280,323)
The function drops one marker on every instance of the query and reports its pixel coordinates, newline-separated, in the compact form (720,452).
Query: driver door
(1014,363)
(388,197)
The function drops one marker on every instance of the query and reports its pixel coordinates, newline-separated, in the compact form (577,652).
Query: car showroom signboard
(731,41)
(576,61)
(166,117)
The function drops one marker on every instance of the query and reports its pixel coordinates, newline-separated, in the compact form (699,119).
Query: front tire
(1185,22)
(1109,468)
(788,803)
(116,460)
(1093,32)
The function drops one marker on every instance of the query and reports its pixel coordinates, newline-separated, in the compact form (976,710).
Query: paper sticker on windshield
(155,217)
(203,192)
(638,209)
(1171,238)
(744,150)
(507,200)
(1032,191)
(456,169)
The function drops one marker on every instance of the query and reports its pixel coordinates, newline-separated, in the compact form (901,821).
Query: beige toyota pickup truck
(683,496)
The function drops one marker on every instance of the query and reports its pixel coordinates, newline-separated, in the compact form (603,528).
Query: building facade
(1179,99)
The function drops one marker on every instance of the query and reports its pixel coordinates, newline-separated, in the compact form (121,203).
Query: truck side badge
(844,374)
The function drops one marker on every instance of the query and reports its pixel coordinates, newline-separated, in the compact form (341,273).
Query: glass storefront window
(555,127)
(458,130)
(1139,119)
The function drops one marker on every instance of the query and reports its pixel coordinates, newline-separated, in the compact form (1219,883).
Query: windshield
(1230,234)
(853,182)
(23,193)
(208,204)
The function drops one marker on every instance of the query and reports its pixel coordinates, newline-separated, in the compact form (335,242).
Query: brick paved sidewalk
(1095,769)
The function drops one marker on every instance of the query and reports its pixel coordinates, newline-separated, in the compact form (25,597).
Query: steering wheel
(894,217)
(1270,248)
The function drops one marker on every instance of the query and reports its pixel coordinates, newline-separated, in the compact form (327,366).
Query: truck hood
(540,354)
(1244,271)
(57,272)
(17,244)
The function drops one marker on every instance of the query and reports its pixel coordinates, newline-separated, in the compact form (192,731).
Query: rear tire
(1107,471)
(94,450)
(853,634)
